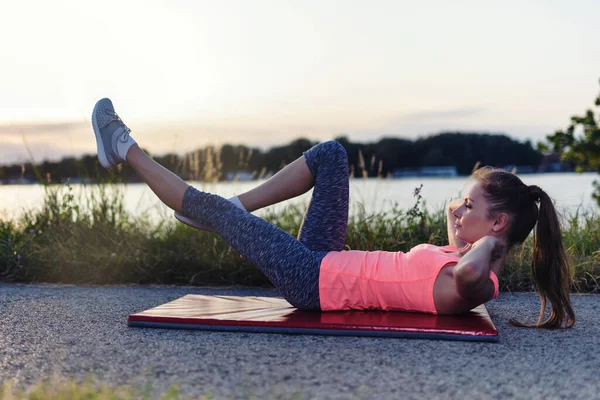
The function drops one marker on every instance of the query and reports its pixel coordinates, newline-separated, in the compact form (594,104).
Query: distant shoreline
(78,182)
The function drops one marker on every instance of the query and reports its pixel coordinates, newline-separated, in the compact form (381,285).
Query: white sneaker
(112,135)
(191,222)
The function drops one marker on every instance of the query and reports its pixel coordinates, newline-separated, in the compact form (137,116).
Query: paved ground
(71,331)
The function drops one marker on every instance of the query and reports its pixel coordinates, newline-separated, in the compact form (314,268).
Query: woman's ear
(500,222)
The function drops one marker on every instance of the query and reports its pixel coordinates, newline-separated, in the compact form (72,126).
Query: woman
(314,272)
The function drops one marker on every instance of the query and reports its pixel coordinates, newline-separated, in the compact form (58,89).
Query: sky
(185,74)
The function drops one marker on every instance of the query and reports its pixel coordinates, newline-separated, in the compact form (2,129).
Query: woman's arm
(472,273)
(452,240)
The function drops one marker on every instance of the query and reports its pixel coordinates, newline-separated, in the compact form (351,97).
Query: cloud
(16,153)
(55,141)
(432,122)
(46,141)
(41,129)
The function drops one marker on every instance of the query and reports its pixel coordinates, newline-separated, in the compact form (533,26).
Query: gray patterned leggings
(292,265)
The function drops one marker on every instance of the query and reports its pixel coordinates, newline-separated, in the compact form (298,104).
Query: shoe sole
(101,154)
(191,222)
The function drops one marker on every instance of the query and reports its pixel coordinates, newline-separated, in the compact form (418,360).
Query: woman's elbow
(468,279)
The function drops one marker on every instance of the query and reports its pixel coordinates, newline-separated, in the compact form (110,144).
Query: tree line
(463,150)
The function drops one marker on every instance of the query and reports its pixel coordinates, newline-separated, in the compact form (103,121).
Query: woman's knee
(331,150)
(335,149)
(330,153)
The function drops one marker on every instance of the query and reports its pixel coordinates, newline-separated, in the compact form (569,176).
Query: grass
(91,239)
(88,389)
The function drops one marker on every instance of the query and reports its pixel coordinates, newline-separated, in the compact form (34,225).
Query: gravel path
(72,331)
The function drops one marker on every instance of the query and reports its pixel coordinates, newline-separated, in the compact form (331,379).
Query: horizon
(186,74)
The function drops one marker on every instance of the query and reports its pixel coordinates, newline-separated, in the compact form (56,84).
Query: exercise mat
(276,315)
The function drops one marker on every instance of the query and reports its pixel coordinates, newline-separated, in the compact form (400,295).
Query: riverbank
(93,239)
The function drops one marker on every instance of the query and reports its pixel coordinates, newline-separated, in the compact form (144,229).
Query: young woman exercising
(314,272)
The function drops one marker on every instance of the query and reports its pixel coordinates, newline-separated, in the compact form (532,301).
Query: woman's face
(471,222)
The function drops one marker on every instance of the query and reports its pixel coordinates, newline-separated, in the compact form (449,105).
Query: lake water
(569,190)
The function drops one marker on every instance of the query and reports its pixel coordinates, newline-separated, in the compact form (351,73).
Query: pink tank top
(381,280)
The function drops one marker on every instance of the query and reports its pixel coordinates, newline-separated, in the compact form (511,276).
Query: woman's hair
(506,193)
